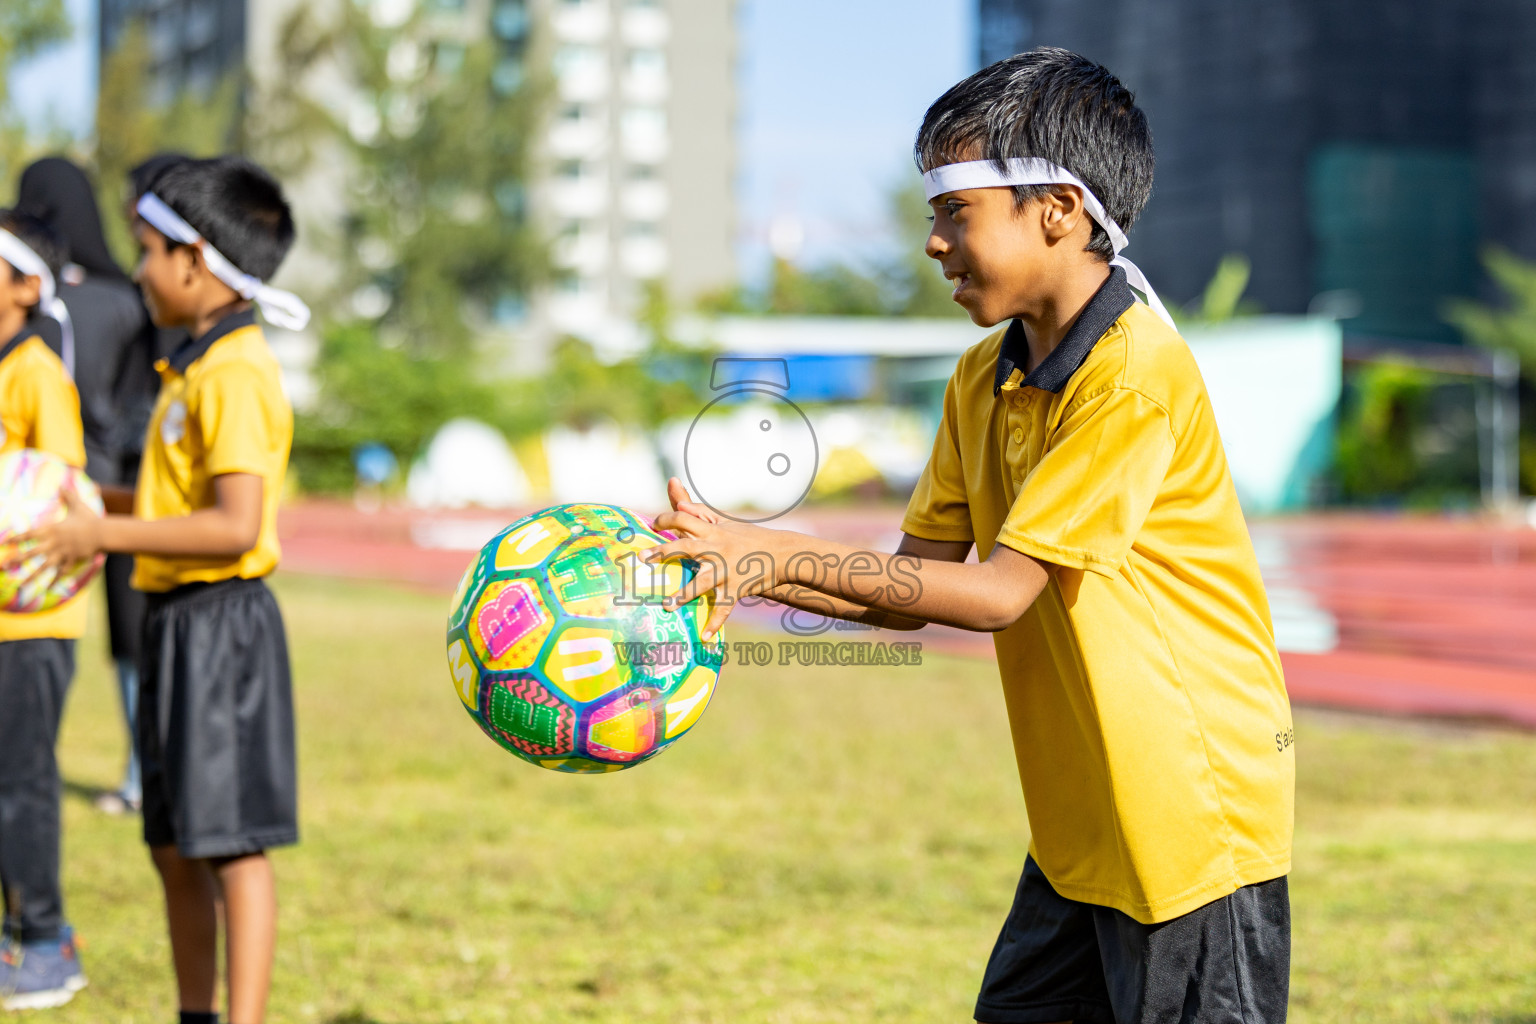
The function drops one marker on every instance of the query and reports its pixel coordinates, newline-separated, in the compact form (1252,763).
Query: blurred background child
(115,348)
(216,722)
(38,409)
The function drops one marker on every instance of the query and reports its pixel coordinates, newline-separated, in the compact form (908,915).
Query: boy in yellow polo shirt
(215,706)
(1079,454)
(38,409)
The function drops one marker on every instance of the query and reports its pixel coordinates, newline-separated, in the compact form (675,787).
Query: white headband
(1038,171)
(22,256)
(284,309)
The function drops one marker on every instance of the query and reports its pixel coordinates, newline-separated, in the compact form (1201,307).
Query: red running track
(1433,616)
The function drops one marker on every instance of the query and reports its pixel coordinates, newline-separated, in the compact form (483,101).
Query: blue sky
(830,94)
(57,89)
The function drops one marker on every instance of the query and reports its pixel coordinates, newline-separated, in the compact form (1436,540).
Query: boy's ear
(189,263)
(1062,212)
(29,289)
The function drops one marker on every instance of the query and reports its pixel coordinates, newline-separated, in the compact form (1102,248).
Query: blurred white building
(639,173)
(634,180)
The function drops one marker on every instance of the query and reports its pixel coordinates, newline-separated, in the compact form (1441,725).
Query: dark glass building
(1365,148)
(191,43)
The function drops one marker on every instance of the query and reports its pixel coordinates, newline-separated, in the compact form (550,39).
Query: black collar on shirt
(1108,303)
(15,342)
(193,349)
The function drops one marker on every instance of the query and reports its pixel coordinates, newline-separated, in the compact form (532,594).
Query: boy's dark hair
(234,204)
(41,238)
(1054,104)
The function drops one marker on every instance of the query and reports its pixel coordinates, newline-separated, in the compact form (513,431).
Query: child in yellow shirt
(1078,454)
(215,714)
(38,409)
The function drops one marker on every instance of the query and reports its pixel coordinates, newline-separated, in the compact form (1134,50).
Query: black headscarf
(56,191)
(142,178)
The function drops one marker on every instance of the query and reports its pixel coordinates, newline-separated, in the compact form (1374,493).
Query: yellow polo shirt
(221,410)
(1144,691)
(39,408)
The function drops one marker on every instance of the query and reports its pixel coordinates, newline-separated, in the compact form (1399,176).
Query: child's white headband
(281,308)
(25,259)
(1038,171)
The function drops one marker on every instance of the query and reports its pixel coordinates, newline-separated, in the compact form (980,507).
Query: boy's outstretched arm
(808,599)
(227,529)
(811,600)
(742,560)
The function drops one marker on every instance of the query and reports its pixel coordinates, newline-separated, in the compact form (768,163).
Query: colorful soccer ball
(32,487)
(559,648)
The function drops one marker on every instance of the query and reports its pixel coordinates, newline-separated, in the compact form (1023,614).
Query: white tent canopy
(468,463)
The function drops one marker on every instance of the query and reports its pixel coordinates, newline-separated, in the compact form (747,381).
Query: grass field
(827,845)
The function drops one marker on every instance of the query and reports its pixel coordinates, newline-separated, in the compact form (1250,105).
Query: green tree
(1223,299)
(286,127)
(399,397)
(677,376)
(833,290)
(913,282)
(1512,327)
(26,26)
(130,127)
(393,396)
(433,245)
(435,139)
(1508,328)
(664,381)
(1376,444)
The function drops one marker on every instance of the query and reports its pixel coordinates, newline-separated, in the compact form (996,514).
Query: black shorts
(1229,962)
(216,721)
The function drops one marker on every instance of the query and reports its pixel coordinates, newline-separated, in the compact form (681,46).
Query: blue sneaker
(40,975)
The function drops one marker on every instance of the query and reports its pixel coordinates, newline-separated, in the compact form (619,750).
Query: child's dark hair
(1054,104)
(234,204)
(40,238)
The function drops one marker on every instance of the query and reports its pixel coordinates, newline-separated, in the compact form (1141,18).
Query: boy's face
(1001,258)
(18,294)
(168,276)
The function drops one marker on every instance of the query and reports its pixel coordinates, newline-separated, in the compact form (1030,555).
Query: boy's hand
(72,539)
(682,501)
(716,545)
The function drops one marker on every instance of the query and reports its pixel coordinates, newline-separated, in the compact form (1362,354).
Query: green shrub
(400,396)
(397,397)
(1408,435)
(1376,457)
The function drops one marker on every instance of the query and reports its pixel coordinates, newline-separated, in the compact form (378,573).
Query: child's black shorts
(216,721)
(1228,962)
